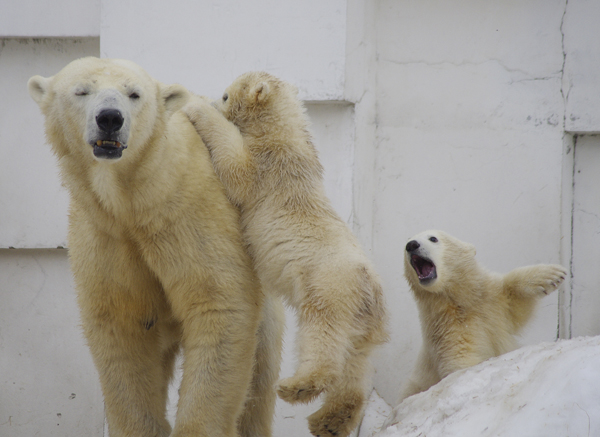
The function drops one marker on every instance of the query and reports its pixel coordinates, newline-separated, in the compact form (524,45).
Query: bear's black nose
(412,245)
(109,120)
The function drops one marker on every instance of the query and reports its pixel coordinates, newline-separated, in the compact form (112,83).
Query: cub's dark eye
(225,97)
(433,239)
(81,93)
(134,96)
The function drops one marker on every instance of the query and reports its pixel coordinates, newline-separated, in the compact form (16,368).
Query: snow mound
(546,390)
(376,412)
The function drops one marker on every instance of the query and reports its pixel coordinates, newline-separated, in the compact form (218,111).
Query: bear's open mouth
(108,149)
(424,268)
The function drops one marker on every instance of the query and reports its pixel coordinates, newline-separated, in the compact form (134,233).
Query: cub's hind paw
(336,419)
(294,390)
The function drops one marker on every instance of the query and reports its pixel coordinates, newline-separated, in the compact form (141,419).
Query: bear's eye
(134,96)
(225,97)
(81,93)
(433,239)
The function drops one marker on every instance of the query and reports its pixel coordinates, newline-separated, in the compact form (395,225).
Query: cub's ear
(174,97)
(38,87)
(259,92)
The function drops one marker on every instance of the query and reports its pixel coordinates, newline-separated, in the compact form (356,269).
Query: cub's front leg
(231,160)
(535,280)
(526,285)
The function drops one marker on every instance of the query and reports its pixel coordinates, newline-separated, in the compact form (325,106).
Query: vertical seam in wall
(564,304)
(572,231)
(564,62)
(375,35)
(352,220)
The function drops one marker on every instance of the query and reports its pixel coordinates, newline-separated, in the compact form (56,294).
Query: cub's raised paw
(547,278)
(336,418)
(301,389)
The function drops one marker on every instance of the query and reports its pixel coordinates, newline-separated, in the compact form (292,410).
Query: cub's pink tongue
(426,270)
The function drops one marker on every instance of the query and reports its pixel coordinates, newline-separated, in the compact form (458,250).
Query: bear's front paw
(302,389)
(198,110)
(547,278)
(336,418)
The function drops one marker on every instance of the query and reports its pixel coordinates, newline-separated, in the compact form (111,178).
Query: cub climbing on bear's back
(261,149)
(468,314)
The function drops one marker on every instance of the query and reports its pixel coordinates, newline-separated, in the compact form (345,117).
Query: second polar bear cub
(468,314)
(261,149)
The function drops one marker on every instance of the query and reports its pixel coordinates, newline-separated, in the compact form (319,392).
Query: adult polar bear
(157,257)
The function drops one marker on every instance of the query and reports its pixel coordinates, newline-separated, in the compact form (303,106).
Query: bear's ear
(38,87)
(174,97)
(259,92)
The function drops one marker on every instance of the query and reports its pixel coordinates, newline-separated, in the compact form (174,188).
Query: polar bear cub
(261,149)
(467,313)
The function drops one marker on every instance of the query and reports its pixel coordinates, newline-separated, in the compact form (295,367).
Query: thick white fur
(467,313)
(158,260)
(262,151)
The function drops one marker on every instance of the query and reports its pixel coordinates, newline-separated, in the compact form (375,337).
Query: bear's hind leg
(218,344)
(323,344)
(257,417)
(345,400)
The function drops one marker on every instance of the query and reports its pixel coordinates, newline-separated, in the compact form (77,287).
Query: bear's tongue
(425,269)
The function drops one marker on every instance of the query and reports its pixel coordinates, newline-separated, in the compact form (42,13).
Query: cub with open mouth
(468,314)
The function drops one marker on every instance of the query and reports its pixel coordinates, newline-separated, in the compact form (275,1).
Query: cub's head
(99,107)
(434,260)
(255,98)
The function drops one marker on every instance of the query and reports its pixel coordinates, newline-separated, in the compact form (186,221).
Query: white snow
(545,390)
(376,413)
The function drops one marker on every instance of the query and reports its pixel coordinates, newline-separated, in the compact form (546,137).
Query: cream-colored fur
(468,314)
(158,258)
(262,151)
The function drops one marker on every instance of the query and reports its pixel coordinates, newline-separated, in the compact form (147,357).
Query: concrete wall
(473,117)
(48,384)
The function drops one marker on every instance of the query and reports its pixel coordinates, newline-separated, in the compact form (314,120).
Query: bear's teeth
(100,143)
